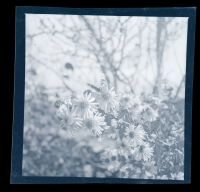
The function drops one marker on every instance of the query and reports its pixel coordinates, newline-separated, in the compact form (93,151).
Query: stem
(179,87)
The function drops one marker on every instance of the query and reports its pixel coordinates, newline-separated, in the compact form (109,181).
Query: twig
(54,71)
(179,87)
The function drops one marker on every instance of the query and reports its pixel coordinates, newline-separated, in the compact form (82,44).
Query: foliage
(146,132)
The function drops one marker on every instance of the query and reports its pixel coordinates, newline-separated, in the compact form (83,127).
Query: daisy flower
(149,169)
(137,107)
(64,100)
(134,135)
(126,101)
(143,152)
(107,99)
(95,123)
(68,117)
(85,105)
(149,114)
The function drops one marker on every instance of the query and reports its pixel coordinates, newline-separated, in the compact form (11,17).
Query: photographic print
(104,96)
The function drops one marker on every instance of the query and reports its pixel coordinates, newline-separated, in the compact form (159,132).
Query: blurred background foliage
(66,55)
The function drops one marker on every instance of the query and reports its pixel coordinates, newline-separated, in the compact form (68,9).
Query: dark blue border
(19,84)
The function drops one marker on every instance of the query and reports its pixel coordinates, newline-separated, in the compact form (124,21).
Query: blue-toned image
(104,96)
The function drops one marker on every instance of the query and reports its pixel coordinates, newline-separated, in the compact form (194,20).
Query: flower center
(89,123)
(68,120)
(107,160)
(131,135)
(126,99)
(105,96)
(123,145)
(113,158)
(136,106)
(141,149)
(83,105)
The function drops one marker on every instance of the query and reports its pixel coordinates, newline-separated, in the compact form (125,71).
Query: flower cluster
(131,123)
(79,113)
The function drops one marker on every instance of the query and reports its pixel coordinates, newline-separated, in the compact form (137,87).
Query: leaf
(69,66)
(66,76)
(87,91)
(93,87)
(33,71)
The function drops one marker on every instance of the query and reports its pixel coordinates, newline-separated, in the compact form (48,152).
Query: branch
(55,72)
(100,45)
(179,87)
(127,82)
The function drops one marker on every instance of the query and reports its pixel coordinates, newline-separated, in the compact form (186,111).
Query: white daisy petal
(95,123)
(68,118)
(85,105)
(143,152)
(107,99)
(134,135)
